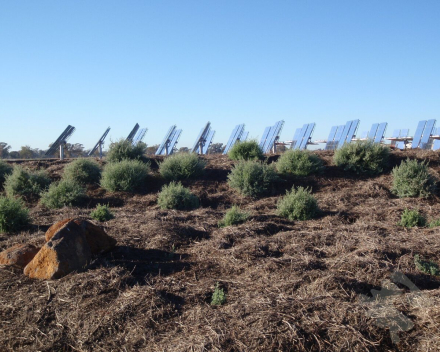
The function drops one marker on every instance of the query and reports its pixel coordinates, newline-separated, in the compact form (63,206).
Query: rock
(97,239)
(65,252)
(20,255)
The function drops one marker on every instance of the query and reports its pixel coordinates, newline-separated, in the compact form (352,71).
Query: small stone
(19,255)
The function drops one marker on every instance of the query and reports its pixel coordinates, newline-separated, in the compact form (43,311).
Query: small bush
(26,183)
(13,214)
(434,223)
(64,193)
(5,169)
(83,171)
(298,204)
(175,196)
(102,213)
(412,179)
(362,157)
(123,149)
(252,178)
(218,296)
(299,163)
(246,150)
(412,218)
(181,166)
(233,216)
(126,175)
(426,266)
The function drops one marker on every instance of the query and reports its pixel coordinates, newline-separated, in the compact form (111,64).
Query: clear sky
(94,64)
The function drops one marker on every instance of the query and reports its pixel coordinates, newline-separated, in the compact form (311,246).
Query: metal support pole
(100,150)
(166,148)
(62,151)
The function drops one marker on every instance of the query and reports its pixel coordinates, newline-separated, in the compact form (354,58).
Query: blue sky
(93,64)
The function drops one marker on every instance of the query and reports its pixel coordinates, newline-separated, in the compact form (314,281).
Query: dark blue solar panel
(307,136)
(264,137)
(429,128)
(418,134)
(373,131)
(380,132)
(208,141)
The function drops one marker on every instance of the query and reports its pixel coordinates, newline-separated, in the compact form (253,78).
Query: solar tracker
(331,137)
(208,141)
(418,134)
(380,133)
(236,134)
(60,142)
(132,133)
(139,136)
(244,136)
(203,140)
(373,131)
(264,137)
(174,139)
(404,133)
(162,150)
(348,132)
(307,136)
(100,144)
(396,134)
(273,136)
(296,137)
(426,141)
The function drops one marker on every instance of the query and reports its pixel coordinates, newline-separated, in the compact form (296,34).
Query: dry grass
(290,285)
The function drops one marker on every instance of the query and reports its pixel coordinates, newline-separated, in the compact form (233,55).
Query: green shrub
(426,266)
(363,157)
(102,213)
(13,214)
(412,218)
(83,171)
(64,193)
(299,163)
(252,178)
(5,169)
(26,183)
(298,204)
(412,179)
(181,166)
(246,150)
(233,216)
(434,223)
(124,149)
(125,175)
(175,196)
(218,296)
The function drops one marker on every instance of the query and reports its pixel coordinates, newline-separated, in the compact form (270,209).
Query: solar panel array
(203,140)
(139,136)
(236,135)
(132,133)
(169,142)
(302,136)
(99,144)
(64,136)
(377,132)
(270,136)
(348,133)
(422,135)
(333,137)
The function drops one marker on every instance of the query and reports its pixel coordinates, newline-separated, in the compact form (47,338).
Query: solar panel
(208,141)
(300,137)
(162,147)
(307,135)
(268,139)
(174,139)
(203,132)
(296,137)
(331,137)
(132,133)
(418,134)
(404,133)
(396,134)
(244,136)
(380,132)
(139,136)
(352,131)
(344,134)
(64,136)
(338,135)
(273,136)
(373,131)
(426,142)
(99,144)
(264,137)
(235,136)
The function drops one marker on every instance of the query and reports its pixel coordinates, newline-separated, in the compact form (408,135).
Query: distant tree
(26,152)
(4,150)
(183,150)
(151,150)
(216,148)
(14,154)
(73,150)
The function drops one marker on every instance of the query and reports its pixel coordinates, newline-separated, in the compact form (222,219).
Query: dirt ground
(291,286)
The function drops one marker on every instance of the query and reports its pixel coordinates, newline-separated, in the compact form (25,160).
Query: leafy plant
(125,175)
(246,150)
(412,179)
(218,296)
(434,223)
(252,178)
(102,213)
(124,149)
(298,204)
(64,193)
(233,216)
(426,266)
(5,169)
(412,218)
(83,171)
(26,183)
(364,157)
(175,196)
(299,163)
(13,214)
(181,166)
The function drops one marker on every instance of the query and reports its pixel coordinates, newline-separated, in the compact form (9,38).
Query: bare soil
(291,286)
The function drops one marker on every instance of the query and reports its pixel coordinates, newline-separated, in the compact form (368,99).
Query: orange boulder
(20,255)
